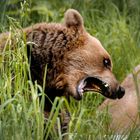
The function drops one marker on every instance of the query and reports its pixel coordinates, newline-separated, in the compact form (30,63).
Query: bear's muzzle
(95,84)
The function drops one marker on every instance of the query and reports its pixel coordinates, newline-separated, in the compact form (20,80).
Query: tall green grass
(115,23)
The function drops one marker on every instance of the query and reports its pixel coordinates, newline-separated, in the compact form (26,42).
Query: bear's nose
(120,92)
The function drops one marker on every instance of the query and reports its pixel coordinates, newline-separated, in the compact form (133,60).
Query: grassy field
(114,23)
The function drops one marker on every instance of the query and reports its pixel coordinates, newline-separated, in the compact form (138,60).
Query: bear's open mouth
(95,84)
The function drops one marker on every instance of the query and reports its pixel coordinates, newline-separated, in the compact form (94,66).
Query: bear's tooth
(81,93)
(106,85)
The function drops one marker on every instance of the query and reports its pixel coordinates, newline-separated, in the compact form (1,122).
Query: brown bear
(76,61)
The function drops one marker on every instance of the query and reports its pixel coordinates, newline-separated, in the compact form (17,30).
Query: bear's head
(76,61)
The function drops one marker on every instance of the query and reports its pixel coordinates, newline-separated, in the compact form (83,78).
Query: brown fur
(124,112)
(53,42)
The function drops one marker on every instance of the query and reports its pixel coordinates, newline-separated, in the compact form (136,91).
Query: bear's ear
(73,19)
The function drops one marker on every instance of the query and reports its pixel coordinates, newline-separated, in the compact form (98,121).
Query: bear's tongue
(92,84)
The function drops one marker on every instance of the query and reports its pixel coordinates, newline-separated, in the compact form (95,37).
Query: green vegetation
(115,23)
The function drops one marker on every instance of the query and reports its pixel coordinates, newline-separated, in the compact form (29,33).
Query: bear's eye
(107,63)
